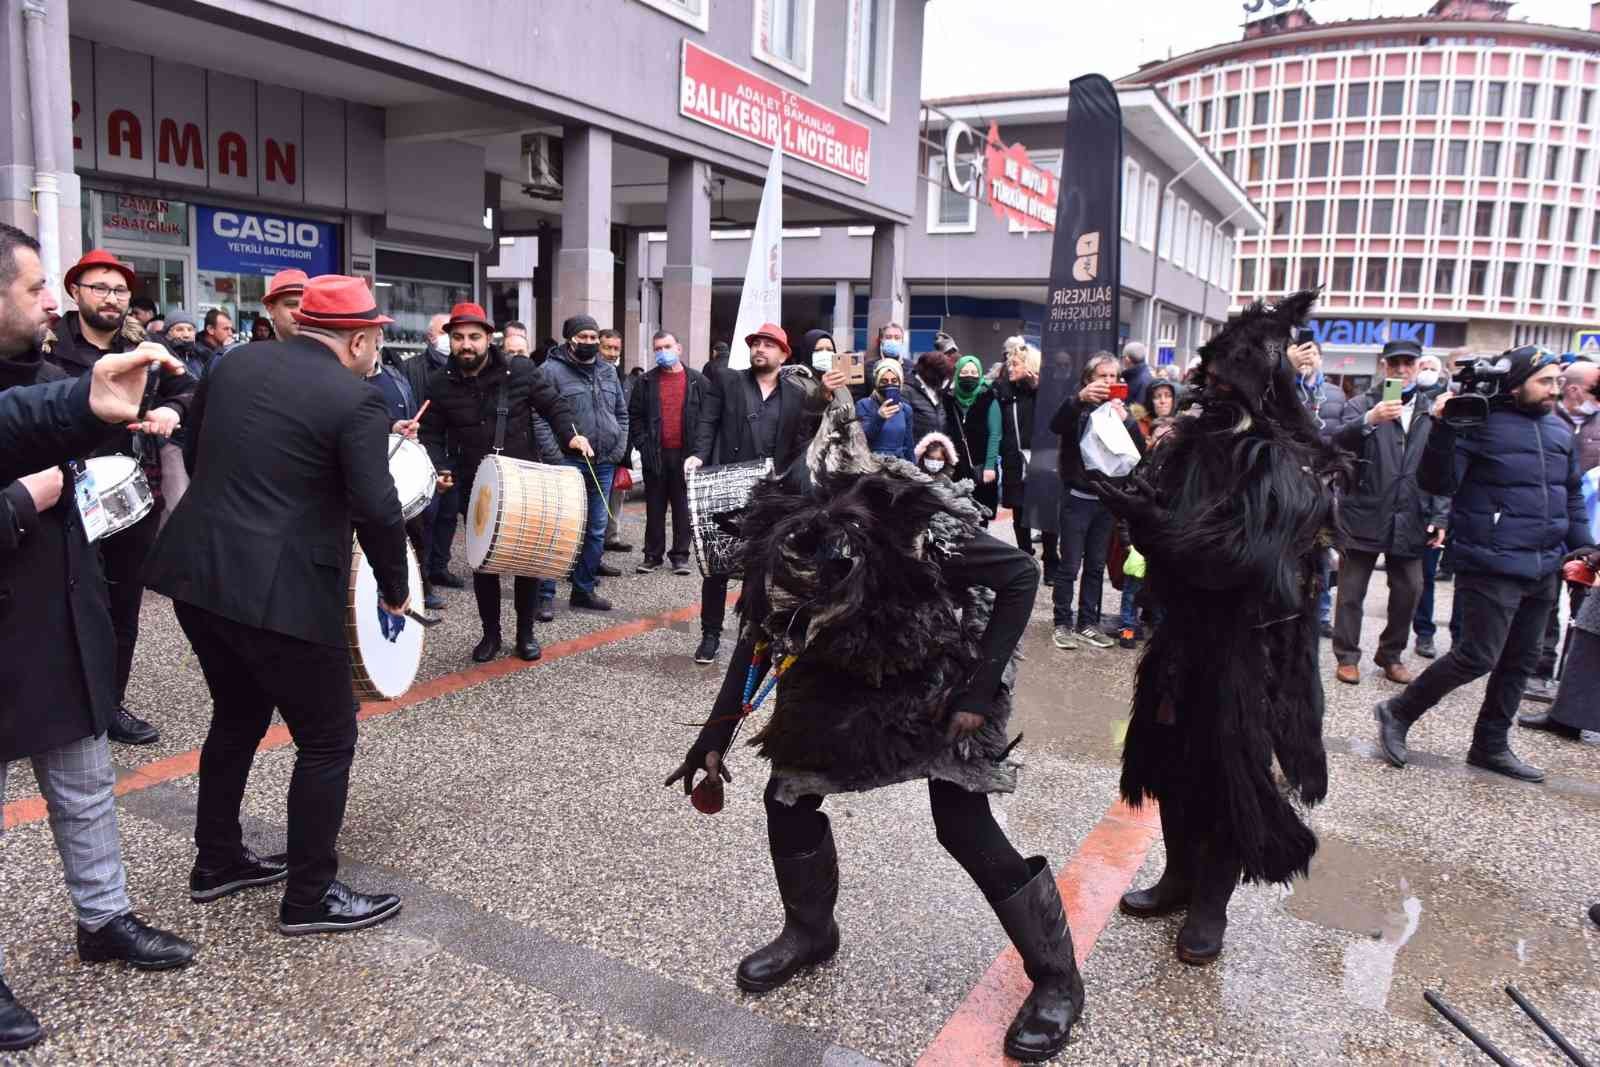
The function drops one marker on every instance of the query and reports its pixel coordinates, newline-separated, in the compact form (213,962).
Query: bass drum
(526,519)
(385,650)
(714,491)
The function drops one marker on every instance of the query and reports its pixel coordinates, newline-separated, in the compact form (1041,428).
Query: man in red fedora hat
(284,293)
(288,451)
(462,427)
(747,415)
(102,286)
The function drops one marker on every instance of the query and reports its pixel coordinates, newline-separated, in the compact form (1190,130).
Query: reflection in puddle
(1369,965)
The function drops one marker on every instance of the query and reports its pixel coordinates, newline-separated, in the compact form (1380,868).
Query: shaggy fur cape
(1231,514)
(842,570)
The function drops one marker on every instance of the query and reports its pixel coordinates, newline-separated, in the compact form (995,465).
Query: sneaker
(1092,637)
(1065,639)
(710,644)
(681,568)
(649,566)
(1128,638)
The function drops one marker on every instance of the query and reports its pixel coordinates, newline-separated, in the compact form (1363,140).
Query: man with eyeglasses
(102,287)
(1517,515)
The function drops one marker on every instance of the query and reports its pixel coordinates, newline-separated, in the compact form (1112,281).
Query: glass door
(161,275)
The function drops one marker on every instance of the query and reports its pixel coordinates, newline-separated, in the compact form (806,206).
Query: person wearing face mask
(814,341)
(257,562)
(933,454)
(890,344)
(1430,383)
(972,420)
(1386,513)
(1017,392)
(461,428)
(885,418)
(590,386)
(663,410)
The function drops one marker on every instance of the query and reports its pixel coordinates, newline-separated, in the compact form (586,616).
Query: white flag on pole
(761,301)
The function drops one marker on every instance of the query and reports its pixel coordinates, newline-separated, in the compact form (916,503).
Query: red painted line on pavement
(32,809)
(1091,883)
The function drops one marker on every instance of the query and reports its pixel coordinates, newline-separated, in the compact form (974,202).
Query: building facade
(1438,176)
(213,143)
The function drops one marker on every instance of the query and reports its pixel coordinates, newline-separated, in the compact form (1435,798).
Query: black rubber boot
(1172,890)
(809,886)
(488,648)
(527,645)
(1216,875)
(1037,925)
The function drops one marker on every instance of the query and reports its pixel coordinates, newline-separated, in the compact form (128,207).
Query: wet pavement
(562,907)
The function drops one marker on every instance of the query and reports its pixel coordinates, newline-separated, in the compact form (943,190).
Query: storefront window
(412,288)
(237,294)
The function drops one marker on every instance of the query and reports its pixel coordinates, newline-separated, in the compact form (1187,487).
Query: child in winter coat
(935,455)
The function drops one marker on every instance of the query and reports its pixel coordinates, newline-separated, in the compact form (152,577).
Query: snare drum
(526,519)
(124,492)
(385,650)
(715,491)
(413,475)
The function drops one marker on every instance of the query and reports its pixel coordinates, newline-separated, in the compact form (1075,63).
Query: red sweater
(671,388)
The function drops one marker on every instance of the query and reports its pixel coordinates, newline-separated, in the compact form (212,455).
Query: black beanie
(576,325)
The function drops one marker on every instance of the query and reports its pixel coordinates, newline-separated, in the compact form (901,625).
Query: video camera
(1478,388)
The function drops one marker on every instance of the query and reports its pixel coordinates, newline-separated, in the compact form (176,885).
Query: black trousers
(661,489)
(250,672)
(1502,626)
(713,604)
(122,556)
(963,821)
(524,598)
(446,513)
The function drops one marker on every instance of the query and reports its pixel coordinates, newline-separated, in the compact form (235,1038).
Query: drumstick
(412,613)
(415,418)
(604,491)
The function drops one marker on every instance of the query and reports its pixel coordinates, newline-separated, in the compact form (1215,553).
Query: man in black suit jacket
(287,447)
(747,415)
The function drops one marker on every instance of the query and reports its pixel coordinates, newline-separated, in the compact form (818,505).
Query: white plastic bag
(1106,446)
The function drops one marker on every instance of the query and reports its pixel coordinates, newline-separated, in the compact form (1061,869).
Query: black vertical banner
(1082,307)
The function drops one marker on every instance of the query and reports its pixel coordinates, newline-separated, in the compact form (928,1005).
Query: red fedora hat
(773,333)
(469,313)
(99,257)
(285,283)
(338,303)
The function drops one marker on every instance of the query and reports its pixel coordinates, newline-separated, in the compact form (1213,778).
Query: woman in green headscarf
(974,425)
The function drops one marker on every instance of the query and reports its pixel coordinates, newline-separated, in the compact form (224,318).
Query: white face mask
(441,344)
(1427,379)
(933,466)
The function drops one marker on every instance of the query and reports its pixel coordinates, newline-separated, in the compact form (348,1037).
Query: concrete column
(544,288)
(527,310)
(686,274)
(635,329)
(844,316)
(886,300)
(585,266)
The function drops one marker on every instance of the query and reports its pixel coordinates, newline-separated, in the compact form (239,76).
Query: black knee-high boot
(1216,875)
(1172,891)
(809,886)
(1037,925)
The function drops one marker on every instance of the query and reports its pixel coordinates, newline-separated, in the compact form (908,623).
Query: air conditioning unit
(541,160)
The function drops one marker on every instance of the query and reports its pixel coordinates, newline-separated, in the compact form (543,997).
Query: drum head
(483,509)
(110,471)
(413,475)
(391,659)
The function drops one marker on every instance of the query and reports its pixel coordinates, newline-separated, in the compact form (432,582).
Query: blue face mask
(894,349)
(666,357)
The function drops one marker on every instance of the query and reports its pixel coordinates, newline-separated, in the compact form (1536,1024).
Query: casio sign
(268,229)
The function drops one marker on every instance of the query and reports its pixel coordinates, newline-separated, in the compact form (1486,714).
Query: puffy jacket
(1517,504)
(1387,511)
(458,427)
(886,437)
(599,409)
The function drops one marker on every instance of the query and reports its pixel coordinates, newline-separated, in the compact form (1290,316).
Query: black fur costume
(841,567)
(1231,513)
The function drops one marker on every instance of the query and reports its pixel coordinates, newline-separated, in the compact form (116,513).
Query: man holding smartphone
(1386,513)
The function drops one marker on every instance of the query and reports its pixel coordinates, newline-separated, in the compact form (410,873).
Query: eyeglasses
(103,291)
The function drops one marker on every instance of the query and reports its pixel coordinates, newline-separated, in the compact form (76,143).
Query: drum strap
(501,410)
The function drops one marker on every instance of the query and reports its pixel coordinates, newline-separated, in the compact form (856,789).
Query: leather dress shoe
(340,909)
(250,870)
(1398,673)
(1425,648)
(1504,762)
(1594,914)
(1542,721)
(547,611)
(1540,690)
(589,601)
(1348,673)
(606,570)
(446,579)
(487,649)
(128,939)
(1391,734)
(127,728)
(618,546)
(528,645)
(18,1028)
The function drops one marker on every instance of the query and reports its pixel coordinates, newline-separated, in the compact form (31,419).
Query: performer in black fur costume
(903,618)
(1231,515)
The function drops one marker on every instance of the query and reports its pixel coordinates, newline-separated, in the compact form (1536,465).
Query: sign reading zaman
(725,95)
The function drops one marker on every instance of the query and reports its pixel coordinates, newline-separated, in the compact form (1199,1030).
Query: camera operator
(1517,514)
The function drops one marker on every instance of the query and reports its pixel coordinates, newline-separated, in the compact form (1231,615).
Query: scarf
(968,390)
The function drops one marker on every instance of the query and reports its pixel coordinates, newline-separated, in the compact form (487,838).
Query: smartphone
(891,394)
(1119,391)
(1392,388)
(822,361)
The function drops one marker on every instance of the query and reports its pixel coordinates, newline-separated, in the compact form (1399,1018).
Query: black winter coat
(597,407)
(1069,423)
(927,412)
(57,684)
(644,416)
(726,434)
(419,368)
(458,427)
(1386,510)
(46,424)
(971,435)
(1017,403)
